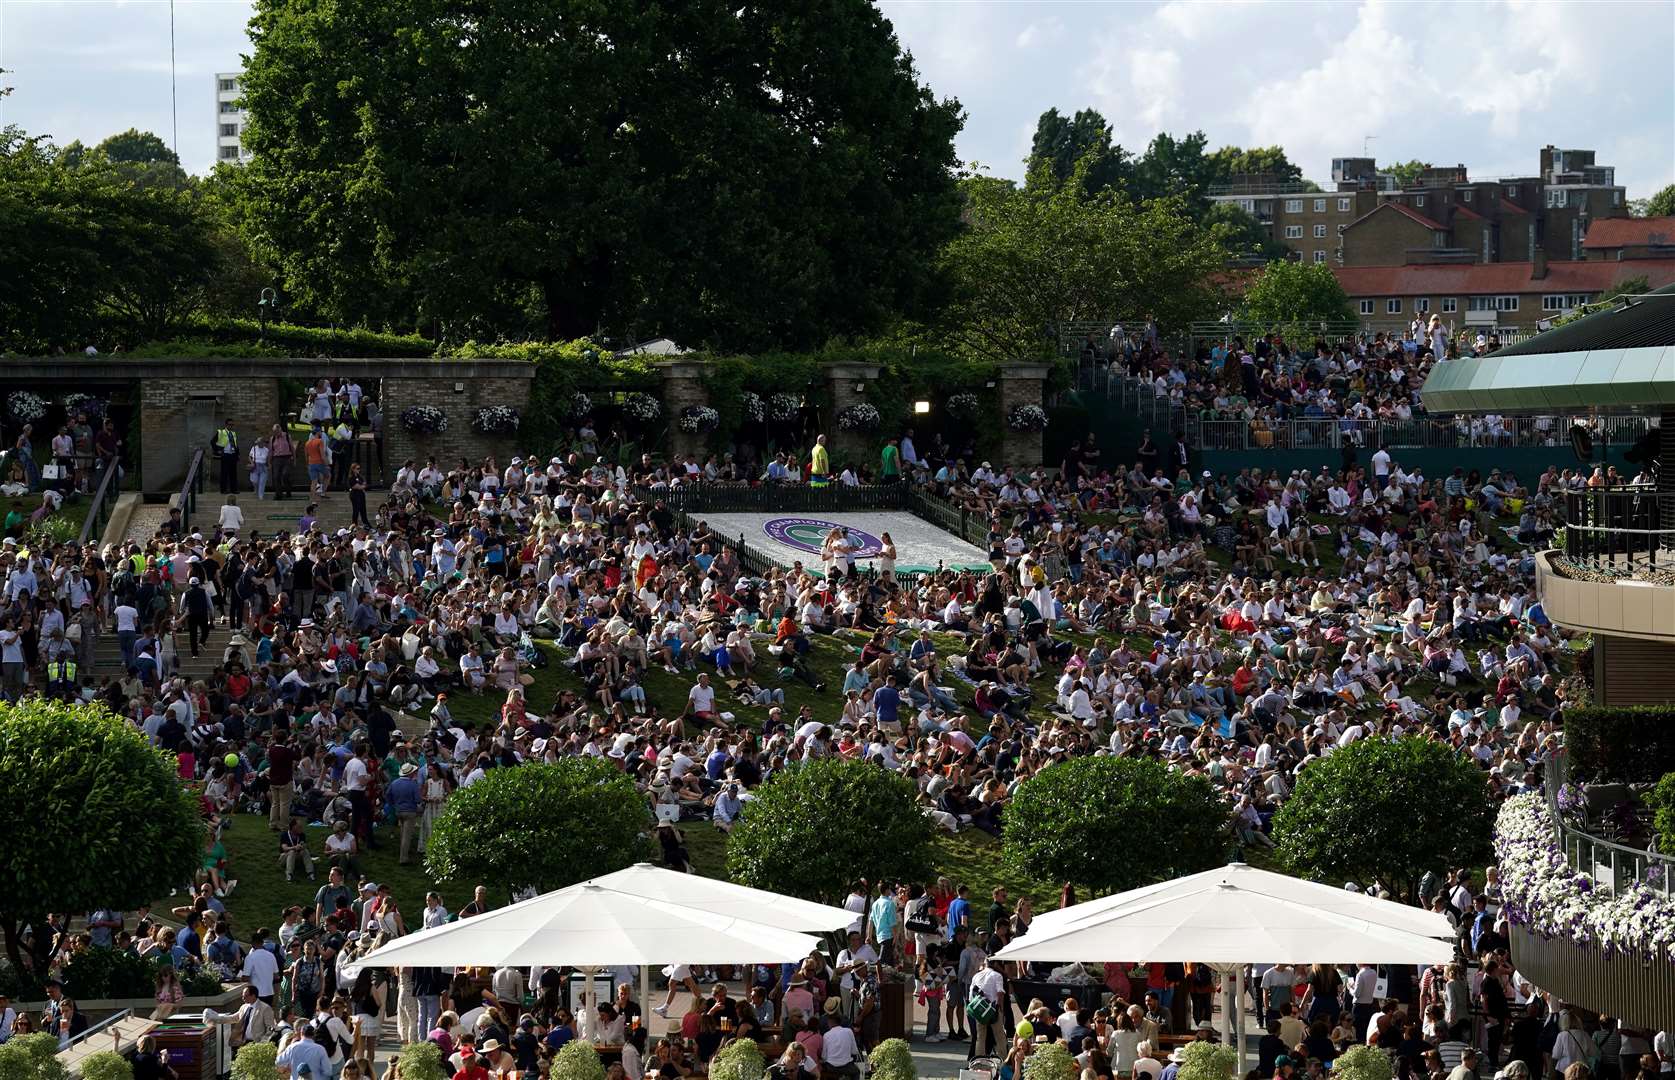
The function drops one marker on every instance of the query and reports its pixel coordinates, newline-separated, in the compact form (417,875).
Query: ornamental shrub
(1363,1063)
(106,1065)
(892,1059)
(1051,1062)
(579,1061)
(255,1061)
(1207,1061)
(32,1057)
(422,1061)
(740,1059)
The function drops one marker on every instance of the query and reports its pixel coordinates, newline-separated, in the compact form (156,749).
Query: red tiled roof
(1405,211)
(1630,232)
(1467,212)
(1500,278)
(1510,207)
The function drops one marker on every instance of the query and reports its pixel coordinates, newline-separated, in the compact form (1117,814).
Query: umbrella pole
(645,996)
(1229,973)
(1239,1018)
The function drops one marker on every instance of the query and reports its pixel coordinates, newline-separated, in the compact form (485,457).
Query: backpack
(981,1010)
(921,919)
(331,1044)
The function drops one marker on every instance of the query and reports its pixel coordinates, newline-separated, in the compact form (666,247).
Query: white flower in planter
(424,420)
(698,418)
(26,407)
(752,406)
(1027,418)
(783,407)
(858,417)
(495,420)
(642,406)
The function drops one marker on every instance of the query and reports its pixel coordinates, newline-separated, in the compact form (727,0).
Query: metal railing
(104,499)
(1443,433)
(1612,866)
(1620,529)
(190,489)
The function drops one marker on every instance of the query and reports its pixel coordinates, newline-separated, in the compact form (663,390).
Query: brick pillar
(851,384)
(1020,384)
(683,385)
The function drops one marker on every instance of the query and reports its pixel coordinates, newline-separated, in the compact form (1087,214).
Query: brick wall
(460,405)
(1020,384)
(862,447)
(1383,240)
(683,386)
(179,415)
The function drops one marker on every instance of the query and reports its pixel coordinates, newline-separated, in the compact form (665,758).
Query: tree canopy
(1297,297)
(1061,142)
(1066,823)
(767,175)
(1405,172)
(1660,204)
(110,824)
(1386,811)
(541,826)
(812,830)
(1044,255)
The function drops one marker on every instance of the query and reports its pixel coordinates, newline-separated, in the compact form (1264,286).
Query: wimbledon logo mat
(807,534)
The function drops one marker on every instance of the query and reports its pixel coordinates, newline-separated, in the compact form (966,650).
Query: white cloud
(1043,32)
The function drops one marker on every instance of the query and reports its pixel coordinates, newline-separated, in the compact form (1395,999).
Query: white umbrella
(696,893)
(1234,916)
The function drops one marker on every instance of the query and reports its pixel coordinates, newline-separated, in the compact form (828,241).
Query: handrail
(104,498)
(94,1029)
(1590,854)
(190,489)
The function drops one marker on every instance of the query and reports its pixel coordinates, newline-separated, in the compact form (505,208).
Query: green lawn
(971,857)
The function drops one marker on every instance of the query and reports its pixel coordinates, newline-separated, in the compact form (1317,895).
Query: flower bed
(26,407)
(1544,895)
(695,419)
(783,407)
(752,406)
(642,407)
(424,420)
(964,406)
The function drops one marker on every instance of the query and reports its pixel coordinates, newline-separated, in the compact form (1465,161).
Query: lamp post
(269,300)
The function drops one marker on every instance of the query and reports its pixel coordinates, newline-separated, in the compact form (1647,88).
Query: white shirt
(354,775)
(838,1047)
(989,983)
(260,967)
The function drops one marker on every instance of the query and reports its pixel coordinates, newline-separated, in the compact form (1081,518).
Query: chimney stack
(1538,263)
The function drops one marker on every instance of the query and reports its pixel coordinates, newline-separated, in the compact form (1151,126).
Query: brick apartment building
(1442,216)
(1508,297)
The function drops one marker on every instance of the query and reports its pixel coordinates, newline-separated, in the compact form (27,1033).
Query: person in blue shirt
(887,701)
(959,912)
(405,799)
(305,1057)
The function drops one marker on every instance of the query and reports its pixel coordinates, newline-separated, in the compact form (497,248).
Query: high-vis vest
(226,440)
(61,671)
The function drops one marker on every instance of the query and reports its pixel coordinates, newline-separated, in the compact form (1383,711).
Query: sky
(1486,83)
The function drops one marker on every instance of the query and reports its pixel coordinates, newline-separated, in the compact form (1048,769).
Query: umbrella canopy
(1238,915)
(593,925)
(725,898)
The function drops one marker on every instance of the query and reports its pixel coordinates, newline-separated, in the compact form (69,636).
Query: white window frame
(1511,191)
(1421,305)
(1294,206)
(1393,306)
(1366,307)
(1466,194)
(1343,205)
(1419,200)
(1319,231)
(1617,197)
(1319,255)
(1320,206)
(1450,304)
(1293,232)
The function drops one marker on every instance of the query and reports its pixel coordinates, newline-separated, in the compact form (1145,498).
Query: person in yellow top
(820,464)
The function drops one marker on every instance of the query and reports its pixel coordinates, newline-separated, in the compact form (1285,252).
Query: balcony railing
(1446,433)
(1620,530)
(1612,865)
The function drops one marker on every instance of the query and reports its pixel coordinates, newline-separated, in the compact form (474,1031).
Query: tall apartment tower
(229,117)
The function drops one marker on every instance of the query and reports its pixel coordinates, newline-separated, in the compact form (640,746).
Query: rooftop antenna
(1365,139)
(174,106)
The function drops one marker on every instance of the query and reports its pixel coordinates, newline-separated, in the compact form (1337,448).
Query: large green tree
(1405,172)
(1243,235)
(1660,204)
(812,830)
(1084,821)
(1061,142)
(1045,255)
(99,819)
(745,176)
(541,826)
(1296,297)
(1269,161)
(1386,811)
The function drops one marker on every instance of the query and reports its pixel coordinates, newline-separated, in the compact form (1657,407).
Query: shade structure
(1305,916)
(590,925)
(1234,916)
(695,893)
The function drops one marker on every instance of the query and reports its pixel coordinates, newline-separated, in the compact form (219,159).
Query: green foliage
(1633,286)
(561,370)
(545,826)
(1052,1061)
(1242,235)
(1268,161)
(422,1061)
(1363,1063)
(1661,801)
(1061,142)
(1405,172)
(1661,204)
(138,147)
(113,825)
(32,1057)
(1385,811)
(578,1060)
(284,339)
(117,973)
(755,177)
(892,1059)
(106,1065)
(814,829)
(1039,257)
(740,1059)
(1295,298)
(1626,744)
(1208,1061)
(1059,825)
(255,1061)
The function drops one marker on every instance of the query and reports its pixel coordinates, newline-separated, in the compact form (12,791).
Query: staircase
(271,515)
(107,653)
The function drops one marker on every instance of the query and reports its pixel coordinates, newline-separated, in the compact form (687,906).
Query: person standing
(988,996)
(196,606)
(820,464)
(405,797)
(889,467)
(357,496)
(281,452)
(260,454)
(225,445)
(314,452)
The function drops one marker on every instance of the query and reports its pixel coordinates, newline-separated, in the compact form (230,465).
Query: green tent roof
(1619,359)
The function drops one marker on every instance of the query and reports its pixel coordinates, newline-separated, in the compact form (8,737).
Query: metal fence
(1613,866)
(1442,433)
(1620,529)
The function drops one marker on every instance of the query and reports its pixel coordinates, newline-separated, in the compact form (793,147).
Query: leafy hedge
(107,973)
(1628,744)
(244,337)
